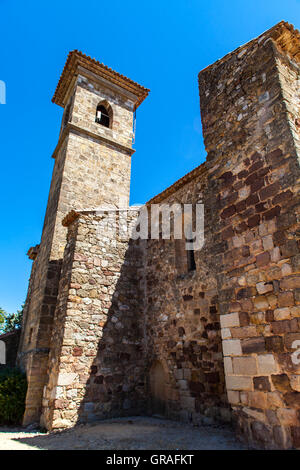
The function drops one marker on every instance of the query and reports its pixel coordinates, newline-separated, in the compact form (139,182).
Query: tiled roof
(77,58)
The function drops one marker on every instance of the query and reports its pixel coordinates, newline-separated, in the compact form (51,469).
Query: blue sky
(161,44)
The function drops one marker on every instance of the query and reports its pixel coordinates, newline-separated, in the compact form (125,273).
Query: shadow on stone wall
(116,384)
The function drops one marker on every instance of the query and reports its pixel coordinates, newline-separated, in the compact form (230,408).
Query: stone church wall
(96,364)
(182,315)
(245,287)
(252,145)
(137,327)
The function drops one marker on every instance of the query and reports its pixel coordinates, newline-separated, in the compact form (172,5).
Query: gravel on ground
(135,433)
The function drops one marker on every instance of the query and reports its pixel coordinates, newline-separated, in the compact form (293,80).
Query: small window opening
(184,259)
(102,116)
(191,264)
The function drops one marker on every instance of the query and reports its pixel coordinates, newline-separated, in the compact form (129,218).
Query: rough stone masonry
(118,326)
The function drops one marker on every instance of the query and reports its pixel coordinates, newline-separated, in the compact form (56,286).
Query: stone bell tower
(92,167)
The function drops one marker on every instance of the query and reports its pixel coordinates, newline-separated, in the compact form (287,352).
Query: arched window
(103,116)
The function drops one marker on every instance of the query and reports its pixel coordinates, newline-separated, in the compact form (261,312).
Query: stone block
(281,382)
(291,340)
(282,314)
(66,378)
(295,382)
(275,254)
(61,424)
(56,392)
(228,365)
(272,213)
(253,345)
(295,312)
(234,382)
(232,347)
(233,397)
(225,333)
(269,191)
(244,365)
(230,320)
(292,400)
(286,299)
(290,283)
(274,344)
(244,318)
(244,332)
(261,303)
(284,326)
(268,242)
(264,287)
(262,383)
(290,248)
(266,364)
(286,269)
(262,259)
(258,400)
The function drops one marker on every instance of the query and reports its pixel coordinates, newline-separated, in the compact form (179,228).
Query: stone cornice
(70,127)
(77,59)
(107,84)
(33,252)
(98,211)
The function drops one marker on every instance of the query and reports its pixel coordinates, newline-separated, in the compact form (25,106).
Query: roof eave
(76,59)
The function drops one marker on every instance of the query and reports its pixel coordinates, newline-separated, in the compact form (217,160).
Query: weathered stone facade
(92,167)
(118,326)
(96,365)
(256,166)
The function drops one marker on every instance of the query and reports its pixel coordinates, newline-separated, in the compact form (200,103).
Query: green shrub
(13,386)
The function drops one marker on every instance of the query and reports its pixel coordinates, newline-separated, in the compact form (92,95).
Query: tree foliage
(2,317)
(10,321)
(13,388)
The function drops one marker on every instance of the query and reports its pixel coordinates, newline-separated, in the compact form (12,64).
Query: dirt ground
(136,433)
